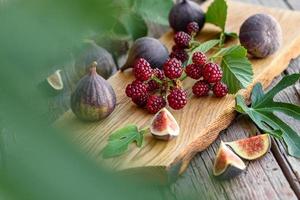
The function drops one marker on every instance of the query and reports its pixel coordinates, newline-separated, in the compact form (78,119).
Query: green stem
(222,39)
(156,79)
(183,77)
(145,130)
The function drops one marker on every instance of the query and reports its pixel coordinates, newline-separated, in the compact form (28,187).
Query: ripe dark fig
(94,98)
(261,35)
(185,12)
(148,48)
(92,52)
(227,164)
(251,148)
(164,126)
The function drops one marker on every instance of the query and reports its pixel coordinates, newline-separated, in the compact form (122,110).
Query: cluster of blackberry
(207,73)
(154,88)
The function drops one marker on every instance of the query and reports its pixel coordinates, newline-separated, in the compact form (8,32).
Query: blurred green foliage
(37,161)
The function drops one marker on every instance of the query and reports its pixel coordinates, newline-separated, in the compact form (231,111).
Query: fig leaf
(262,113)
(134,24)
(236,67)
(217,13)
(154,10)
(119,141)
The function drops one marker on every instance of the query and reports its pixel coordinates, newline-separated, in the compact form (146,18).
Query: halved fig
(55,80)
(251,148)
(164,126)
(227,163)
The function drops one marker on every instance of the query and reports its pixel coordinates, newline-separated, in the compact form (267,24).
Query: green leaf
(204,47)
(134,24)
(231,34)
(155,10)
(217,13)
(119,141)
(237,69)
(263,108)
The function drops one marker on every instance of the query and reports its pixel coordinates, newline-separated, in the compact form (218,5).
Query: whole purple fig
(148,48)
(94,98)
(261,35)
(185,12)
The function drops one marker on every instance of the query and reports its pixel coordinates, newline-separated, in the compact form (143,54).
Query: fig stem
(93,68)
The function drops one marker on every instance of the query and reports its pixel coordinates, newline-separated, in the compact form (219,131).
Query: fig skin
(94,98)
(148,48)
(164,126)
(261,35)
(91,52)
(227,164)
(251,148)
(185,12)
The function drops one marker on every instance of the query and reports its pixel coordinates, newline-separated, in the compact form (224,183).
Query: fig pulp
(55,80)
(251,148)
(227,163)
(164,126)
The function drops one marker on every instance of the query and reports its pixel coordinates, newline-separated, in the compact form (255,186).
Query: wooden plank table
(275,176)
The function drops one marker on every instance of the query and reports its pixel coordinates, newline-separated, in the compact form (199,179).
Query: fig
(55,81)
(92,52)
(148,48)
(164,126)
(251,148)
(183,13)
(261,35)
(227,163)
(52,85)
(94,98)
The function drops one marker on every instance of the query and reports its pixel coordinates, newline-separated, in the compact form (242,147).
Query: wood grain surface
(200,121)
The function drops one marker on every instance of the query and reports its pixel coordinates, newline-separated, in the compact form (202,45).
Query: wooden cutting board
(200,121)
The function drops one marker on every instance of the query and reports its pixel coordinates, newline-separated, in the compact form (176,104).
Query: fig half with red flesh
(164,126)
(227,163)
(251,148)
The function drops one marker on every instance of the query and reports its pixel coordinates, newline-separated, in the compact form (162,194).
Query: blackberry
(199,58)
(136,89)
(194,71)
(179,54)
(201,88)
(220,89)
(192,28)
(182,39)
(212,72)
(140,101)
(172,68)
(152,85)
(142,70)
(177,98)
(155,103)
